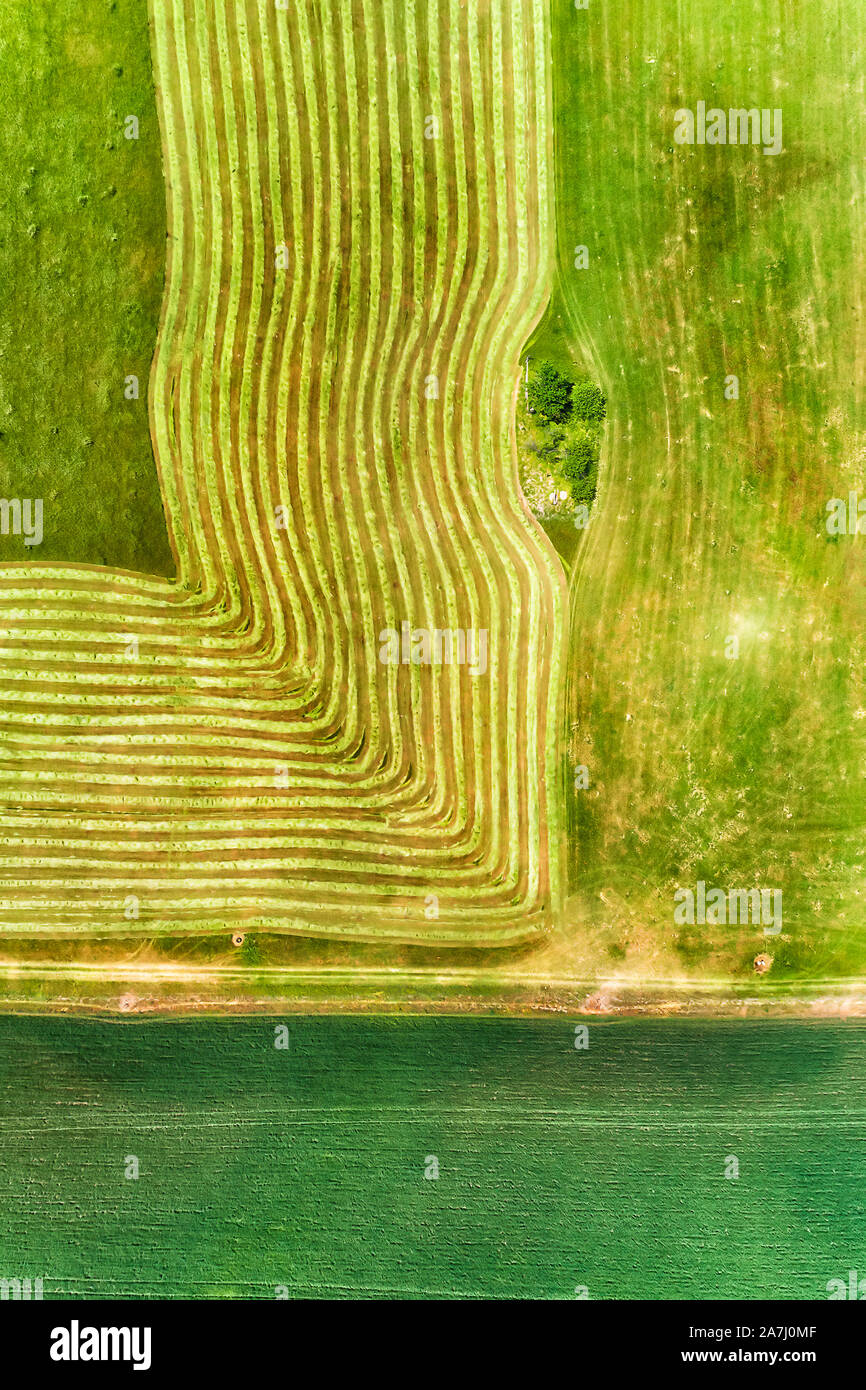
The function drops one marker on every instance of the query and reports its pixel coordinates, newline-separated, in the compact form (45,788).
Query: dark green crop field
(559,1169)
(82,252)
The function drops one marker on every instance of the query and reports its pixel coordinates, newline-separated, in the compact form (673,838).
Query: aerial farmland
(431,583)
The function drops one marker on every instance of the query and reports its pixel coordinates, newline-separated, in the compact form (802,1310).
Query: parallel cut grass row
(256,762)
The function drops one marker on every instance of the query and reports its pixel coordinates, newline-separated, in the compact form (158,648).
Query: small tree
(584,489)
(588,402)
(578,458)
(580,467)
(550,393)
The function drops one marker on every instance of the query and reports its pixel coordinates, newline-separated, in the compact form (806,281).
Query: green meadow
(303,1169)
(82,252)
(716,690)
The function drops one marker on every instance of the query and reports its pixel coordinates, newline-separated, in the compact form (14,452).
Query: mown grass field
(231,750)
(82,254)
(159,773)
(255,766)
(704,262)
(304,1168)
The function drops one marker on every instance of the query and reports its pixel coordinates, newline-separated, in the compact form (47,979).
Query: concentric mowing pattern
(230,747)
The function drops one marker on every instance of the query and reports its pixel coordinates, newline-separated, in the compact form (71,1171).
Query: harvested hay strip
(232,747)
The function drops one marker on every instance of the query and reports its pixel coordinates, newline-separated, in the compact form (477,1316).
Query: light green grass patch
(82,250)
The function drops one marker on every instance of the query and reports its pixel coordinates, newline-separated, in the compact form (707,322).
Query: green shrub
(549,393)
(552,441)
(588,402)
(584,489)
(580,467)
(578,458)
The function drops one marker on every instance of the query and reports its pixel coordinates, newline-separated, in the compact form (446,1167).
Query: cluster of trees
(570,415)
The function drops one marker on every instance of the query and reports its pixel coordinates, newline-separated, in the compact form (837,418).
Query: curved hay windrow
(230,747)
